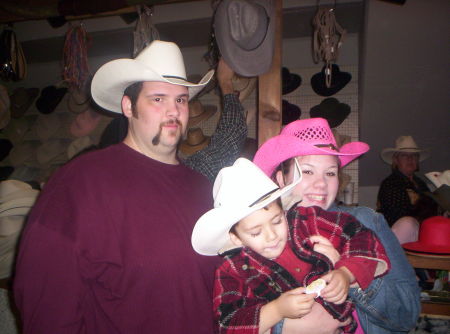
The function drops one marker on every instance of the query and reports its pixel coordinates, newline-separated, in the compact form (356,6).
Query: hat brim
(188,149)
(281,148)
(211,232)
(388,153)
(240,60)
(420,247)
(110,81)
(208,111)
(338,82)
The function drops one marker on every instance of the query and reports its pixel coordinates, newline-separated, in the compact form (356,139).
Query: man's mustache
(157,137)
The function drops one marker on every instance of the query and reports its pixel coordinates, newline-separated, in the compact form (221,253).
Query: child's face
(264,231)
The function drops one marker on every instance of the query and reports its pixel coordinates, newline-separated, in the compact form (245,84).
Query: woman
(391,304)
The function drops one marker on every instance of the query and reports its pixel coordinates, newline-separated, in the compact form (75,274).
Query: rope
(75,58)
(327,39)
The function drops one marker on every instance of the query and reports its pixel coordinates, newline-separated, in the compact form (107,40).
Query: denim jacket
(391,304)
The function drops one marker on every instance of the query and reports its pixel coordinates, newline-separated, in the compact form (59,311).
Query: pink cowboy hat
(311,136)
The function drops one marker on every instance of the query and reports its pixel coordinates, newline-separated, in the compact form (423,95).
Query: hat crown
(405,142)
(241,185)
(9,187)
(195,136)
(314,131)
(248,23)
(164,58)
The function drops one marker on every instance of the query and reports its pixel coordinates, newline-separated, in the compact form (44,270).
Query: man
(107,245)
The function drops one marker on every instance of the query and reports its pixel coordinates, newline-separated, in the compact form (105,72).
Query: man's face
(407,163)
(160,117)
(320,180)
(265,231)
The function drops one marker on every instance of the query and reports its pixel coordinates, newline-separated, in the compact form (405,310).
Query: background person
(107,245)
(392,302)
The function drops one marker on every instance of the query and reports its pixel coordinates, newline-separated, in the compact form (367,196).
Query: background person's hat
(159,61)
(244,31)
(289,81)
(405,144)
(194,141)
(50,97)
(434,237)
(332,110)
(238,191)
(311,136)
(290,112)
(5,103)
(199,112)
(439,178)
(338,81)
(21,99)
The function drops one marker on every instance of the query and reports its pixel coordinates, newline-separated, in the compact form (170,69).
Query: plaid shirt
(226,143)
(246,280)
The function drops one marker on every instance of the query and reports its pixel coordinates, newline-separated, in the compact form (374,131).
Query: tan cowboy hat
(243,85)
(194,142)
(159,61)
(403,144)
(24,153)
(5,103)
(199,112)
(52,152)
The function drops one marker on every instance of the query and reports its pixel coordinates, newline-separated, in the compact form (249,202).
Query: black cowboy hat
(338,81)
(291,112)
(332,110)
(50,98)
(290,81)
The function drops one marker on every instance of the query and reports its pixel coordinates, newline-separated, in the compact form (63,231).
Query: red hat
(434,237)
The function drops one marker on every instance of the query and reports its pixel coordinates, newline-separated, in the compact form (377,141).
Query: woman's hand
(323,246)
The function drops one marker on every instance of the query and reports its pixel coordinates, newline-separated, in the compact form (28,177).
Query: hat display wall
(290,112)
(5,103)
(159,61)
(434,237)
(194,141)
(439,178)
(290,81)
(50,97)
(78,145)
(199,112)
(21,100)
(244,31)
(404,144)
(332,110)
(238,191)
(338,81)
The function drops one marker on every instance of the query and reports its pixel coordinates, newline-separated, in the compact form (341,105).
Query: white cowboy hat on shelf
(439,178)
(159,61)
(405,144)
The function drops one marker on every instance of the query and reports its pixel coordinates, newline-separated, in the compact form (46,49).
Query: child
(266,261)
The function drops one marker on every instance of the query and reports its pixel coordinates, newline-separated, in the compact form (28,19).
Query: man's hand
(224,75)
(323,246)
(338,282)
(295,303)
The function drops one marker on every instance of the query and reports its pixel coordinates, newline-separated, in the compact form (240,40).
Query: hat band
(330,146)
(263,197)
(174,77)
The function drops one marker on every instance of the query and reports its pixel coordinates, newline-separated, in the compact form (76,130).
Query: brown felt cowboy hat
(195,141)
(199,112)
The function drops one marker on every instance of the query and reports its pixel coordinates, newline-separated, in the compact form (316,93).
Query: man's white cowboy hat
(238,191)
(159,61)
(404,144)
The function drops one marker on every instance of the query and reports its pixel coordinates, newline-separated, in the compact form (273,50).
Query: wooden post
(269,86)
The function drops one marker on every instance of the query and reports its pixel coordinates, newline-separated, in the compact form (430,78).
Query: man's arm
(229,137)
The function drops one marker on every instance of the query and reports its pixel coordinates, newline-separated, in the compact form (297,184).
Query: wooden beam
(269,86)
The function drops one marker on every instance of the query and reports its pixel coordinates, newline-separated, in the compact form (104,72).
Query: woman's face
(320,182)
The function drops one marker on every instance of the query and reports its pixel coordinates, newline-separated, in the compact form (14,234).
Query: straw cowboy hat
(199,112)
(439,178)
(311,136)
(5,103)
(434,237)
(404,144)
(238,191)
(244,32)
(338,81)
(332,110)
(21,100)
(195,141)
(159,61)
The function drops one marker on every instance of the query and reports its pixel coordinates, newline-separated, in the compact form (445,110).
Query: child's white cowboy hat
(238,191)
(404,144)
(159,61)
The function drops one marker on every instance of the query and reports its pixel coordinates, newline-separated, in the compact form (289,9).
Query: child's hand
(323,246)
(338,282)
(295,303)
